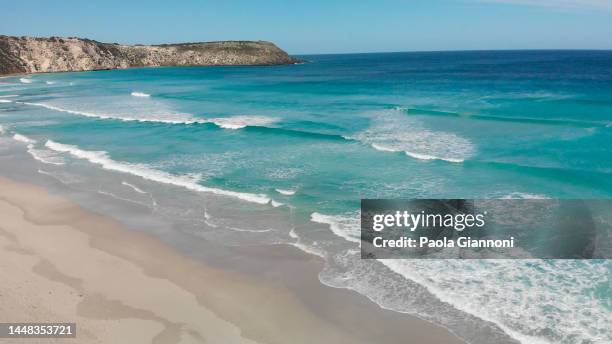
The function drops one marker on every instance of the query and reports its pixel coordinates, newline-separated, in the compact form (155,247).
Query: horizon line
(453,50)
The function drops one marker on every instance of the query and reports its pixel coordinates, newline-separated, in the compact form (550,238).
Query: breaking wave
(390,132)
(45,156)
(23,138)
(169,118)
(285,192)
(518,295)
(234,122)
(140,94)
(346,227)
(239,122)
(144,171)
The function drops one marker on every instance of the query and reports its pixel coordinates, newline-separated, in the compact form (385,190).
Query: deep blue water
(339,128)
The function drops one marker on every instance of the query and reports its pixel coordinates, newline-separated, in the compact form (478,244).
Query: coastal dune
(57,54)
(64,264)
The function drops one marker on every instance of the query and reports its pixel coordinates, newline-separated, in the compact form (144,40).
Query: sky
(324,26)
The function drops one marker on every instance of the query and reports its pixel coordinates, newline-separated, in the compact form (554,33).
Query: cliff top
(25,54)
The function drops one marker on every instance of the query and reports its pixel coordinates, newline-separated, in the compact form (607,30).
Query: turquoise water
(309,141)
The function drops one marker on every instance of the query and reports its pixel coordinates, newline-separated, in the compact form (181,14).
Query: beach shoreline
(64,263)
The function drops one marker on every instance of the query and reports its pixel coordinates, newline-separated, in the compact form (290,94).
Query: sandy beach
(61,263)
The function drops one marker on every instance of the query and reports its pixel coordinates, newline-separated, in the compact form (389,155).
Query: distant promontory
(57,54)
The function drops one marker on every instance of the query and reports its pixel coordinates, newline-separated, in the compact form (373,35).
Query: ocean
(283,155)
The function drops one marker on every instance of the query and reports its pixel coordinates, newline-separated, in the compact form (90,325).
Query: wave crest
(140,94)
(144,171)
(239,122)
(285,192)
(23,138)
(391,132)
(344,226)
(233,122)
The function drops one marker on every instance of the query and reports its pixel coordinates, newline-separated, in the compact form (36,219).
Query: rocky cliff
(56,54)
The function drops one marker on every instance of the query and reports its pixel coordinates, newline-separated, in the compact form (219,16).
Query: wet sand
(61,263)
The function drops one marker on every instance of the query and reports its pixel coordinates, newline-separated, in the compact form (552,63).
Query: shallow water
(288,151)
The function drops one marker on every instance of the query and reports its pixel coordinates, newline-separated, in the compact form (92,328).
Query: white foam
(524,195)
(167,118)
(239,122)
(140,94)
(110,194)
(276,204)
(303,247)
(534,301)
(25,80)
(249,230)
(140,191)
(285,192)
(144,171)
(50,82)
(392,131)
(5,101)
(22,138)
(383,148)
(414,155)
(344,226)
(133,187)
(9,96)
(235,122)
(1,129)
(431,157)
(45,156)
(207,219)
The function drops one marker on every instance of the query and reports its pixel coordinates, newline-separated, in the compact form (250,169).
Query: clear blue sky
(324,26)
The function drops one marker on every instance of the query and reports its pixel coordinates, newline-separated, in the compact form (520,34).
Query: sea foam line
(143,171)
(41,155)
(242,121)
(234,122)
(236,229)
(140,94)
(23,138)
(112,195)
(415,155)
(133,187)
(517,308)
(285,192)
(431,157)
(45,156)
(390,131)
(346,227)
(187,120)
(303,247)
(140,191)
(276,204)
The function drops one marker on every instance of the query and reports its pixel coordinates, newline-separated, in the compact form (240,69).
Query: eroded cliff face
(55,54)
